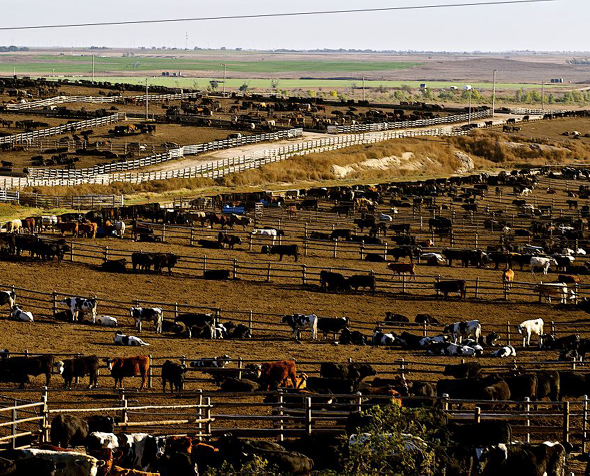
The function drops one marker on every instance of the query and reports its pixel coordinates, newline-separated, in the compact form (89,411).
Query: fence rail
(44,173)
(97,100)
(53,131)
(384,126)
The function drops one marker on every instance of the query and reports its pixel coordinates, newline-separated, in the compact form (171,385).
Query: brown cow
(400,268)
(508,278)
(276,373)
(88,229)
(122,367)
(104,454)
(29,224)
(68,226)
(568,279)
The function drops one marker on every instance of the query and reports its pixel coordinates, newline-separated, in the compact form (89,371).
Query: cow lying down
(122,339)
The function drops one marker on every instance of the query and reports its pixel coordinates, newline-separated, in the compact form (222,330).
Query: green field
(202,83)
(83,64)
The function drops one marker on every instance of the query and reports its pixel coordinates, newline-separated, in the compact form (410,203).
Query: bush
(400,441)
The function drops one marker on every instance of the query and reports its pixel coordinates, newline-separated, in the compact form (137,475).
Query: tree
(244,87)
(400,441)
(274,83)
(213,85)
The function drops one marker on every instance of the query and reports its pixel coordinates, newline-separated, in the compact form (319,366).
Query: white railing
(53,131)
(384,126)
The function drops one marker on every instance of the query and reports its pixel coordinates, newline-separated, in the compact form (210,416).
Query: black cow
(210,244)
(425,319)
(550,342)
(352,337)
(142,261)
(68,430)
(394,317)
(164,260)
(524,459)
(79,367)
(115,265)
(522,386)
(216,274)
(375,258)
(229,240)
(330,385)
(332,325)
(174,374)
(281,250)
(452,286)
(479,435)
(468,370)
(333,281)
(352,371)
(21,367)
(362,281)
(195,321)
(341,234)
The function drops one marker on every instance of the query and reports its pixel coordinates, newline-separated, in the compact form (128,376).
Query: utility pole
(93,68)
(363,87)
(470,93)
(543,95)
(494,95)
(146,100)
(224,76)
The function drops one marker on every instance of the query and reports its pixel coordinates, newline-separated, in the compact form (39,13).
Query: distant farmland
(83,64)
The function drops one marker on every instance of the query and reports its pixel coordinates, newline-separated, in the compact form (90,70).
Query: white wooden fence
(97,100)
(53,131)
(45,173)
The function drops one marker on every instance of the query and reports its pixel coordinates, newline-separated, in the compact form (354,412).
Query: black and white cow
(455,349)
(380,338)
(464,329)
(297,322)
(505,351)
(78,305)
(218,362)
(153,314)
(141,451)
(122,339)
(8,297)
(17,314)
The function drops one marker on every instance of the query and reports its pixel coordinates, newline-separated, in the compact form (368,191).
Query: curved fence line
(53,131)
(97,100)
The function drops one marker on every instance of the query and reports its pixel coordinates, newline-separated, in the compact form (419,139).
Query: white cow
(46,221)
(525,192)
(529,328)
(505,351)
(543,263)
(69,463)
(464,329)
(272,233)
(17,314)
(557,290)
(122,339)
(106,321)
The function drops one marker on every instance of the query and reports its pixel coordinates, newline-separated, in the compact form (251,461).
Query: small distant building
(556,80)
(173,74)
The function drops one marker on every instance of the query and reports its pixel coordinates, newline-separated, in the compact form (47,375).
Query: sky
(556,26)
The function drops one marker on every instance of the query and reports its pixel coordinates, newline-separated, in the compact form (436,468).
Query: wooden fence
(98,100)
(76,202)
(53,131)
(384,126)
(45,173)
(215,413)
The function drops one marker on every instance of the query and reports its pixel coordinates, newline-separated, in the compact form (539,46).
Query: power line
(274,15)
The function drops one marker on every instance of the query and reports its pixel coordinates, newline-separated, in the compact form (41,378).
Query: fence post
(566,422)
(477,415)
(45,415)
(204,264)
(124,414)
(208,415)
(385,251)
(71,251)
(508,332)
(424,331)
(527,407)
(250,242)
(250,321)
(200,413)
(150,374)
(54,294)
(403,283)
(584,423)
(303,274)
(335,248)
(268,274)
(192,238)
(14,418)
(106,253)
(281,401)
(476,287)
(235,268)
(445,402)
(163,232)
(308,415)
(402,367)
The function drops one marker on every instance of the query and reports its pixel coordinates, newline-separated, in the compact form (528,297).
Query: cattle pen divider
(563,421)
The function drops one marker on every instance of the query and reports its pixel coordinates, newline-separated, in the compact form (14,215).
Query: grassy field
(200,83)
(82,64)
